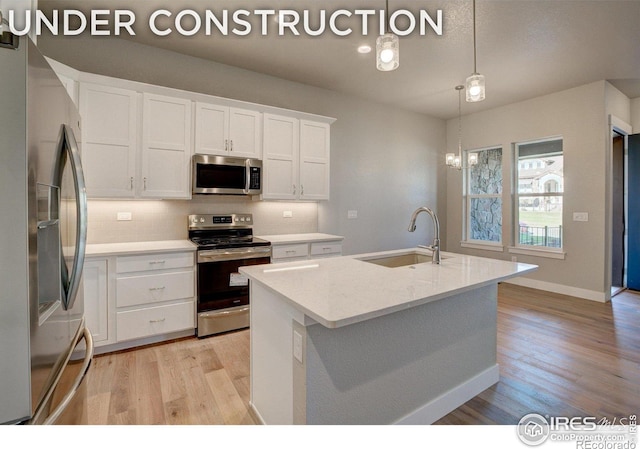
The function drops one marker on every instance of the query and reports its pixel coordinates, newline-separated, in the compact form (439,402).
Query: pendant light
(455,160)
(387,48)
(475,82)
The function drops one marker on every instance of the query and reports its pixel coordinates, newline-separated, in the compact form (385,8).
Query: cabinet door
(314,160)
(109,123)
(96,299)
(212,129)
(166,147)
(245,136)
(280,158)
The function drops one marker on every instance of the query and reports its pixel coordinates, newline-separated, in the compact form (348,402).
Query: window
(484,197)
(538,201)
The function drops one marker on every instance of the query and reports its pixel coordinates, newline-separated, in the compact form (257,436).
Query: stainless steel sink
(400,260)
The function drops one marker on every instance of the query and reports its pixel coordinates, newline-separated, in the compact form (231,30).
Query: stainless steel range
(225,243)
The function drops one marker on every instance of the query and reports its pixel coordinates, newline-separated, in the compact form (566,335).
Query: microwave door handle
(247,175)
(68,147)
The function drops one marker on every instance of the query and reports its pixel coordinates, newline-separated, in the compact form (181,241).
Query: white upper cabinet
(314,160)
(296,159)
(109,136)
(228,131)
(166,147)
(245,133)
(135,145)
(138,140)
(280,160)
(212,129)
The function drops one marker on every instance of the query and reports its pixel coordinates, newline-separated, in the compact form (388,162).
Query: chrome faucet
(436,224)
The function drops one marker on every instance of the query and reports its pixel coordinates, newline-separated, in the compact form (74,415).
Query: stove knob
(201,220)
(241,218)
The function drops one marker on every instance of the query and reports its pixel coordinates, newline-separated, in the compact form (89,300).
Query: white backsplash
(167,219)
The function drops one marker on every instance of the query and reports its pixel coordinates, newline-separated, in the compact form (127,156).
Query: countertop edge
(312,237)
(519,269)
(126,248)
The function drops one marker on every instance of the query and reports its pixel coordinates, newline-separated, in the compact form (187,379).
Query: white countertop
(344,290)
(115,249)
(299,238)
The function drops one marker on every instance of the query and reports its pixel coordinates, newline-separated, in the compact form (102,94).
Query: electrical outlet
(352,214)
(124,216)
(287,214)
(580,216)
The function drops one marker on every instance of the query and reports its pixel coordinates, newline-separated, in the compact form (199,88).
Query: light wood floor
(558,355)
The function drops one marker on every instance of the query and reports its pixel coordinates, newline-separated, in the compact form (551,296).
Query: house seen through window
(538,200)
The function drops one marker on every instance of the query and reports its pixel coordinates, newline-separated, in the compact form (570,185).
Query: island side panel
(412,366)
(271,368)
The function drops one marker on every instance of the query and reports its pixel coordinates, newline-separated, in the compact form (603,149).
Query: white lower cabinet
(155,294)
(138,298)
(326,249)
(291,252)
(140,323)
(96,306)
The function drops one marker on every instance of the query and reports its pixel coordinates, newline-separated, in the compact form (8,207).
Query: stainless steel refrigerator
(45,348)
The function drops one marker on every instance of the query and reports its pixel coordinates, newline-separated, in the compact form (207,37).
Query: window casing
(539,196)
(483,191)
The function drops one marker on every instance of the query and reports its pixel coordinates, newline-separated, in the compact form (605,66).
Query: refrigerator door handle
(53,416)
(82,334)
(68,148)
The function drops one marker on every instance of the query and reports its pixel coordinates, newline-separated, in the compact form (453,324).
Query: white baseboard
(103,349)
(452,399)
(255,414)
(560,289)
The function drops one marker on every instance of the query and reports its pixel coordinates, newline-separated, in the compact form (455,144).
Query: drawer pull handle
(326,248)
(291,251)
(156,262)
(157,321)
(155,289)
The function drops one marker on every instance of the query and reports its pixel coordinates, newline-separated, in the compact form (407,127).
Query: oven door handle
(227,313)
(220,255)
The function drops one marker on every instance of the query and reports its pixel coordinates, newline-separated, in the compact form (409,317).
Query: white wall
(579,116)
(384,161)
(635,115)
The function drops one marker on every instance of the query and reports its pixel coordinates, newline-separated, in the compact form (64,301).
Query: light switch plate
(124,216)
(287,214)
(580,216)
(352,214)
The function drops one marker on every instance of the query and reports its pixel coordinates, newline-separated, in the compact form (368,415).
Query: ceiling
(524,48)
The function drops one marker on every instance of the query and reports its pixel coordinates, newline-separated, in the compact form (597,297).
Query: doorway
(633,212)
(619,215)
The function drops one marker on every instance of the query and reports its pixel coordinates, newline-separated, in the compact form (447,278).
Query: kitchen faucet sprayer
(436,224)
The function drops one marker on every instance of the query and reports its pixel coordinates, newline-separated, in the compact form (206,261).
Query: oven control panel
(222,220)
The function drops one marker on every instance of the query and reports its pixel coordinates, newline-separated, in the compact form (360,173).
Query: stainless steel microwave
(222,175)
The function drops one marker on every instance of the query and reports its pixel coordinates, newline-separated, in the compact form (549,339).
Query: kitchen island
(381,338)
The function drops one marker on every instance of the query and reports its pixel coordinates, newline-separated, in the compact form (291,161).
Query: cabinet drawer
(326,249)
(153,288)
(289,251)
(155,320)
(160,261)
